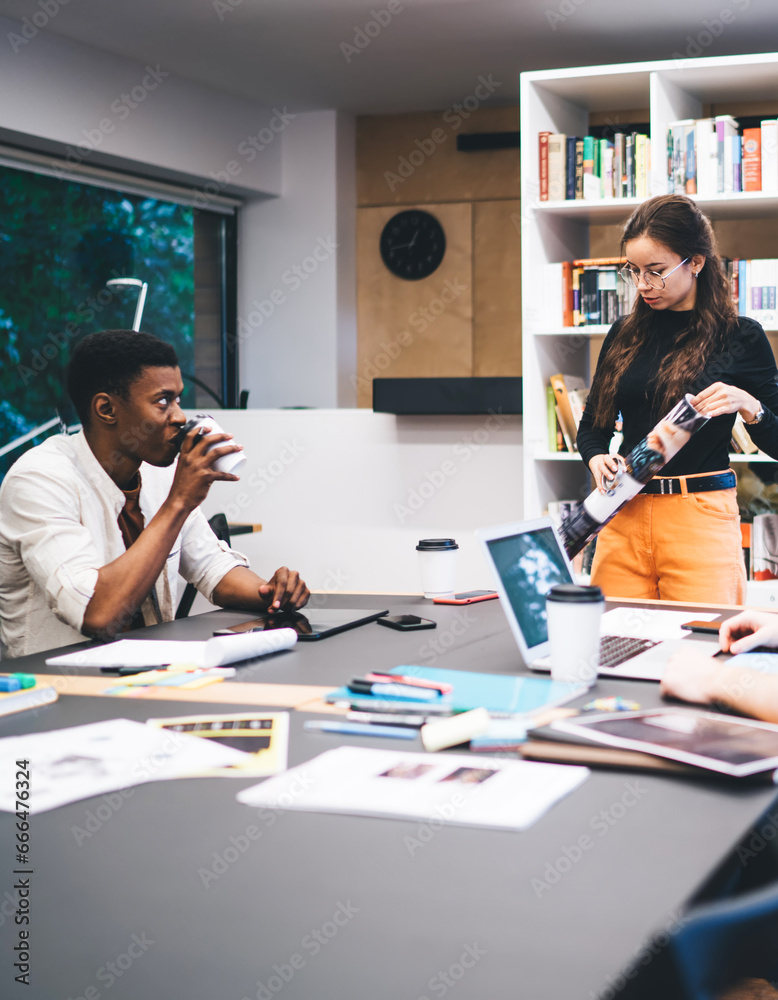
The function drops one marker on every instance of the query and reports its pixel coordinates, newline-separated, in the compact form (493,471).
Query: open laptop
(528,559)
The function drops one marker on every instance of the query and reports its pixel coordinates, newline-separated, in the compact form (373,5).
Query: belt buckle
(662,484)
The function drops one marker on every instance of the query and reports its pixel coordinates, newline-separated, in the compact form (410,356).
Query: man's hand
(690,677)
(748,630)
(195,472)
(284,590)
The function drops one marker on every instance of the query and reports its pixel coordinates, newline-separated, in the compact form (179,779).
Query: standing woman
(679,538)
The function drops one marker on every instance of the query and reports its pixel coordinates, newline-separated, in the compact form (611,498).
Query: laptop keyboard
(615,649)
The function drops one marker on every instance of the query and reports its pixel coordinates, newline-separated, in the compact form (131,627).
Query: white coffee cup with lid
(438,559)
(574,613)
(231,463)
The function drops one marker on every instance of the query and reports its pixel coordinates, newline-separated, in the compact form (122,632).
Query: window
(61,241)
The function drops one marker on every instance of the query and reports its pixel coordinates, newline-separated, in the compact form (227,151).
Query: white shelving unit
(561,101)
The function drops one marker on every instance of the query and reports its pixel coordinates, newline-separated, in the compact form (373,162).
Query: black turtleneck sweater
(747,362)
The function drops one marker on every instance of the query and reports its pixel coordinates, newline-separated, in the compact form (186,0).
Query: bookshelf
(565,101)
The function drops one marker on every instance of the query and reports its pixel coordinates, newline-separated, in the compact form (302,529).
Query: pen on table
(377,677)
(398,707)
(360,729)
(127,671)
(359,685)
(381,719)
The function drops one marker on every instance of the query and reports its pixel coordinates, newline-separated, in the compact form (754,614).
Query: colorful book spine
(572,141)
(579,157)
(752,159)
(543,164)
(769,140)
(557,159)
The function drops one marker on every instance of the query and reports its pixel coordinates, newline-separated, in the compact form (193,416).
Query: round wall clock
(412,244)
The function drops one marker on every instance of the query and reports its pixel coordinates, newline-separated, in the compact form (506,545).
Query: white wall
(296,273)
(60,92)
(343,496)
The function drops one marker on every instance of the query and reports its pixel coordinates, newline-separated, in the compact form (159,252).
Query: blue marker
(9,684)
(360,729)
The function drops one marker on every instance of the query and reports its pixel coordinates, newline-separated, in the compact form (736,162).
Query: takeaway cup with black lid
(438,563)
(574,614)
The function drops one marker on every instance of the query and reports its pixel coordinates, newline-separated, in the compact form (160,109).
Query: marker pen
(360,729)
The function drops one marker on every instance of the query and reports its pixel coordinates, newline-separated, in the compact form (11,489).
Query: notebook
(528,559)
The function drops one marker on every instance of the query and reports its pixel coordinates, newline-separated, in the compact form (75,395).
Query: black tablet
(313,624)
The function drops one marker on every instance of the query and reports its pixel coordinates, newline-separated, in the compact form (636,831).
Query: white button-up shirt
(58,527)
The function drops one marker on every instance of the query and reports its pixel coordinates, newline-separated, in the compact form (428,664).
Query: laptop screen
(529,565)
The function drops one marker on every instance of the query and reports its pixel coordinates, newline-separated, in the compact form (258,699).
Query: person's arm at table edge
(242,588)
(749,692)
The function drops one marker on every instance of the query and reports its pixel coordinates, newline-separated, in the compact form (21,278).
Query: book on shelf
(594,168)
(543,164)
(754,289)
(769,130)
(555,439)
(752,159)
(557,166)
(741,440)
(563,386)
(572,143)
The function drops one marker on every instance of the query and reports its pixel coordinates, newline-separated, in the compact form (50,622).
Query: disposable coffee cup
(574,614)
(438,563)
(231,463)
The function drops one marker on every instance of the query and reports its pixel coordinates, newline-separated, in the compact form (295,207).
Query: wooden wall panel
(413,159)
(496,288)
(414,328)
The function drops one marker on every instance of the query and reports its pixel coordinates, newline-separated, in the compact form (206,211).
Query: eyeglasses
(652,278)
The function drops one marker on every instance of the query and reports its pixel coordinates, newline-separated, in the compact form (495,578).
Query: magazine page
(644,461)
(439,788)
(723,743)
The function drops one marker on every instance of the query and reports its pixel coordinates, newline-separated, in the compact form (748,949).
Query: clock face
(412,244)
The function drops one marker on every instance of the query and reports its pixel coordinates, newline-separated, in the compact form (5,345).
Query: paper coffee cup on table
(437,563)
(574,614)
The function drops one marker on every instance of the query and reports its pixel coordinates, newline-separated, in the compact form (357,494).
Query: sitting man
(706,681)
(95,527)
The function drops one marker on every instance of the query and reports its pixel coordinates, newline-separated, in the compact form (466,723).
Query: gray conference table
(333,906)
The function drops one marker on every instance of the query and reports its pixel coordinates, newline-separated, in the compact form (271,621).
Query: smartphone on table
(707,628)
(406,623)
(468,597)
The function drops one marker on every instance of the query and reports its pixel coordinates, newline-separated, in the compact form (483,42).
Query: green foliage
(59,244)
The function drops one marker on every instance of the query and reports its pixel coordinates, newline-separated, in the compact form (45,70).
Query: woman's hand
(604,467)
(721,398)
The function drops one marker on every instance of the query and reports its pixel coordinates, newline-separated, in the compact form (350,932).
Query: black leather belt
(698,484)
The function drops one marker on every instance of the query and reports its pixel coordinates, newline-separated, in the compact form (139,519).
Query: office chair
(221,529)
(721,951)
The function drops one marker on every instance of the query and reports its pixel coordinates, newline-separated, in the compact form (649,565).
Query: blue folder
(503,694)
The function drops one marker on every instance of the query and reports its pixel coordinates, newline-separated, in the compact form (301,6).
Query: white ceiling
(427,56)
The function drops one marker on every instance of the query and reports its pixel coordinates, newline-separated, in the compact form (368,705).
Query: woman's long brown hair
(677,223)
